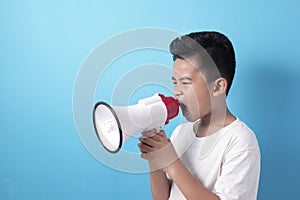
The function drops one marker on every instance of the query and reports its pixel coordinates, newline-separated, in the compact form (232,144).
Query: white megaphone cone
(115,124)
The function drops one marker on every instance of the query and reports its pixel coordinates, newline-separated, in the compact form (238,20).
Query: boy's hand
(157,149)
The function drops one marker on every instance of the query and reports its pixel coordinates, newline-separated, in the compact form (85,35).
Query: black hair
(207,46)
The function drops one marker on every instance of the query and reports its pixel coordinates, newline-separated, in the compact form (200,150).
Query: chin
(191,118)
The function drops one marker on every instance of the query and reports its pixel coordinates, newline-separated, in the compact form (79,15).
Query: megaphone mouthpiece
(172,106)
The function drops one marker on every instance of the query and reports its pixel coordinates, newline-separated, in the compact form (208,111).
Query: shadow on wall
(270,97)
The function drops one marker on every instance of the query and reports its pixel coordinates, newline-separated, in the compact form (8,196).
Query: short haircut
(212,44)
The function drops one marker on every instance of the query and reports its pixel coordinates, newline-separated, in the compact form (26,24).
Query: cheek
(192,100)
(191,95)
(199,100)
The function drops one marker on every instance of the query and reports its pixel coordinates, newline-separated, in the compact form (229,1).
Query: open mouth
(184,109)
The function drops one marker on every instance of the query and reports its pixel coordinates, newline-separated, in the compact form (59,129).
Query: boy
(214,155)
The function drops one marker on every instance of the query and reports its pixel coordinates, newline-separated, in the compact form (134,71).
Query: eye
(186,83)
(174,82)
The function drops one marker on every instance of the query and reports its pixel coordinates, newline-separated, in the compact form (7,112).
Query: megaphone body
(115,124)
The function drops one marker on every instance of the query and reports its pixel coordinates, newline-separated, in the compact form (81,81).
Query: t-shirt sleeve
(239,175)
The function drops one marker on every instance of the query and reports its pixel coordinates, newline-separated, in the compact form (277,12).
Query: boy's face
(191,90)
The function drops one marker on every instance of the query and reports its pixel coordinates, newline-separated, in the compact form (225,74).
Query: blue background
(43,44)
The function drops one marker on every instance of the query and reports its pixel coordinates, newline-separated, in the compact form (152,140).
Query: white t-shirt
(226,162)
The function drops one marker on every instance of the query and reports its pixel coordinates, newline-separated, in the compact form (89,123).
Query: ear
(220,86)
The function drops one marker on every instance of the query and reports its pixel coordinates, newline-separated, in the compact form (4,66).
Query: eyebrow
(183,78)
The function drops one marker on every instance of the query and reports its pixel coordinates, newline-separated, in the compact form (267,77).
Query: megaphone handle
(151,132)
(156,130)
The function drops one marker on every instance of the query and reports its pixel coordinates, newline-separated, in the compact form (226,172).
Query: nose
(177,92)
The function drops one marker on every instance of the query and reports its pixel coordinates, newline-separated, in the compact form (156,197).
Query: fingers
(148,144)
(144,148)
(162,134)
(161,158)
(151,140)
(157,141)
(153,143)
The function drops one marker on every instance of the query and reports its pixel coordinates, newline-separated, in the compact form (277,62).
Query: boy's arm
(159,151)
(160,185)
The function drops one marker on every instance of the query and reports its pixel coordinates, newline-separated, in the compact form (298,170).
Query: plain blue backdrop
(44,43)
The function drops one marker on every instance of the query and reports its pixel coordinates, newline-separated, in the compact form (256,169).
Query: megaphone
(115,124)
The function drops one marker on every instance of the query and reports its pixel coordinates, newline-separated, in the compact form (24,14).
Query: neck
(212,123)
